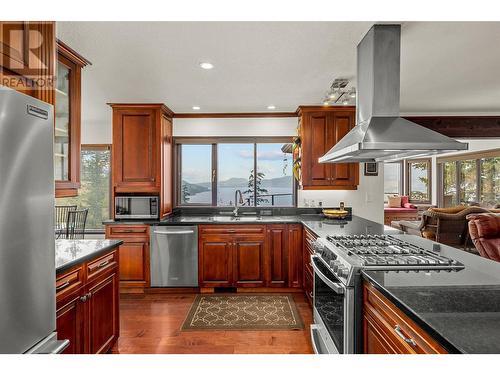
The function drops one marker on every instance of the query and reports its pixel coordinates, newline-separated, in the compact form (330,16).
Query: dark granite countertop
(461,310)
(72,252)
(317,223)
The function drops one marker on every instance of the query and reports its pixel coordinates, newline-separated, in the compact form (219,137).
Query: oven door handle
(337,287)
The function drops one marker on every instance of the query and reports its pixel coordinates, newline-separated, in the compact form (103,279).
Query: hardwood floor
(151,324)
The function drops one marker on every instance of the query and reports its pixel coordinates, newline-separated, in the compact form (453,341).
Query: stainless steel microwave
(137,207)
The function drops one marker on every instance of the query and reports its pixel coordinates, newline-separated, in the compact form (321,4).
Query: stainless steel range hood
(380,135)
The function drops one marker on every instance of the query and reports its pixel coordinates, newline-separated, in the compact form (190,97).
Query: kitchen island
(460,310)
(87,295)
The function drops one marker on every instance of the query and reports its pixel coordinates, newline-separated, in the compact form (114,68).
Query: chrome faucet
(235,211)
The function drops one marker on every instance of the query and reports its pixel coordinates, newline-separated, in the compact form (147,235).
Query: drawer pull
(398,331)
(62,286)
(311,294)
(103,264)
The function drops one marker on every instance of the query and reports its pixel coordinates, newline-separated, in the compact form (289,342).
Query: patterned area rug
(243,312)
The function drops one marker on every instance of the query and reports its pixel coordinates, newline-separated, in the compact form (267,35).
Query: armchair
(484,230)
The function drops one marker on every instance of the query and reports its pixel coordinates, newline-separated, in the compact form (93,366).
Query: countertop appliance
(337,296)
(380,134)
(174,256)
(27,244)
(136,207)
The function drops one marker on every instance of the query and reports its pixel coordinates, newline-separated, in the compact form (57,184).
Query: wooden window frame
(408,163)
(214,141)
(401,187)
(458,159)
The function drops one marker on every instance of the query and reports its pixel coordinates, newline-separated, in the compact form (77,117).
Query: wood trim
(469,155)
(71,54)
(236,115)
(429,174)
(460,126)
(322,108)
(126,106)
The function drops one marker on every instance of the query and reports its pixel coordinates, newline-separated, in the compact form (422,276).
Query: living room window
(470,179)
(393,182)
(419,180)
(209,171)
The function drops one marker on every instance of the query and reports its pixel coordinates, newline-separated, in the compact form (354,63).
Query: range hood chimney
(380,135)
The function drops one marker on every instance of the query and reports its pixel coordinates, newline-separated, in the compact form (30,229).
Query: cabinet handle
(311,294)
(398,331)
(83,298)
(103,264)
(62,286)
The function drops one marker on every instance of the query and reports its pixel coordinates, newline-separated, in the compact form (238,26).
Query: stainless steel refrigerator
(27,259)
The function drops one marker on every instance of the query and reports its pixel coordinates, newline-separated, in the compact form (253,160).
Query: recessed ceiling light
(196,108)
(271,107)
(206,65)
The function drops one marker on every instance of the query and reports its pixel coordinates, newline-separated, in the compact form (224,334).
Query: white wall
(474,146)
(235,127)
(367,201)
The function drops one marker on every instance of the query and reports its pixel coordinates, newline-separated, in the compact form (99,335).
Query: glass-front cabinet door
(62,123)
(67,120)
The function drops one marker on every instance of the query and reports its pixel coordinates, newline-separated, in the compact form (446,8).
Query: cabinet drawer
(124,231)
(101,265)
(68,282)
(403,332)
(232,229)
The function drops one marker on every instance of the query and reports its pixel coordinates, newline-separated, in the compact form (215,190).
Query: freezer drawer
(174,256)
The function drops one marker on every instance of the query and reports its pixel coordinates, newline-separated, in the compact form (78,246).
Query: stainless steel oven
(333,328)
(137,207)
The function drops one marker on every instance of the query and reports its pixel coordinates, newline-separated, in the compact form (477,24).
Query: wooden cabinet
(307,251)
(215,265)
(295,261)
(142,151)
(87,311)
(28,57)
(67,120)
(103,325)
(387,330)
(134,263)
(277,245)
(250,255)
(320,129)
(249,267)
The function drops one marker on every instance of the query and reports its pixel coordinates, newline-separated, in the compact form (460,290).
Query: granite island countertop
(72,252)
(461,310)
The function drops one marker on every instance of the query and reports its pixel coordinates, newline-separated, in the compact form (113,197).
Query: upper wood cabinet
(142,151)
(28,58)
(67,120)
(320,129)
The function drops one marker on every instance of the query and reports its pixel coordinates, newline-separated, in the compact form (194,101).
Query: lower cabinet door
(249,268)
(295,256)
(277,252)
(215,261)
(375,341)
(103,314)
(70,322)
(134,264)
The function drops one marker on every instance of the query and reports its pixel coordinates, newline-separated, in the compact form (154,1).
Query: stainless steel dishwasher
(174,256)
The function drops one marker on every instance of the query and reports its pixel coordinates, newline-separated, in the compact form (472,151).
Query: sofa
(484,230)
(444,225)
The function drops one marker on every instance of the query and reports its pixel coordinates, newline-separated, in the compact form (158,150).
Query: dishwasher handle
(175,232)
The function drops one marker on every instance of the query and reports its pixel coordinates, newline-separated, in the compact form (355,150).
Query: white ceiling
(446,67)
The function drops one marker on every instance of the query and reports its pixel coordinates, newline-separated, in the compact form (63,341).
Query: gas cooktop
(346,254)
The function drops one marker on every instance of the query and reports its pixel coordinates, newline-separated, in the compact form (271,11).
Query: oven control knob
(342,272)
(335,265)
